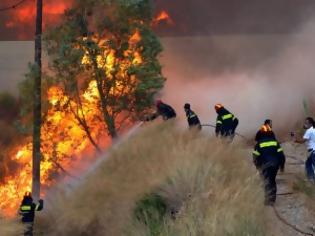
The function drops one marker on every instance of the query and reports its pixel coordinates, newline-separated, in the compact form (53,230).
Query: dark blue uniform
(164,110)
(268,158)
(192,119)
(226,123)
(27,211)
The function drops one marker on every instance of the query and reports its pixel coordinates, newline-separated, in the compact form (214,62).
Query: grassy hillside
(162,182)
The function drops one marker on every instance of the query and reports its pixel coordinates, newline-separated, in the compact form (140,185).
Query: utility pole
(37,112)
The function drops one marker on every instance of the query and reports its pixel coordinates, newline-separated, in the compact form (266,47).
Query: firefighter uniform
(27,211)
(192,118)
(268,157)
(226,122)
(164,110)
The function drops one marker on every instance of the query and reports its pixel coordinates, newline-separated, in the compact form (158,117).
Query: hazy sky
(197,17)
(246,53)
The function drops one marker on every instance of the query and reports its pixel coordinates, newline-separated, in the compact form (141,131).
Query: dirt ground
(294,206)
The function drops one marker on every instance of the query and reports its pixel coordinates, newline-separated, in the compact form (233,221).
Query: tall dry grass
(10,227)
(209,188)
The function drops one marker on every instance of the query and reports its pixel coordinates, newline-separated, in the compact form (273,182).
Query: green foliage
(26,97)
(151,211)
(8,106)
(7,101)
(26,89)
(92,30)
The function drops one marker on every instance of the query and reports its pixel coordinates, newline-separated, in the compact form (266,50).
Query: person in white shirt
(309,139)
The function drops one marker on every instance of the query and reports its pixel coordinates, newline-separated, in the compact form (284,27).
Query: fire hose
(277,214)
(288,224)
(238,134)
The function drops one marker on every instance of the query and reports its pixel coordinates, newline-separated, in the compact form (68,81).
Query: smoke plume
(254,76)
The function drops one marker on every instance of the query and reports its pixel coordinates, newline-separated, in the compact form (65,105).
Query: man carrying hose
(192,118)
(226,122)
(27,211)
(164,110)
(268,158)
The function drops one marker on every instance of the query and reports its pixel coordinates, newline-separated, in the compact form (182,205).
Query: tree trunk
(37,103)
(110,122)
(82,121)
(108,119)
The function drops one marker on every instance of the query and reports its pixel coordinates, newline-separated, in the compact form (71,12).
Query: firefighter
(27,211)
(164,110)
(226,122)
(266,127)
(268,158)
(309,140)
(192,118)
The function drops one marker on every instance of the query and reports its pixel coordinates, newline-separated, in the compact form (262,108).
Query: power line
(14,6)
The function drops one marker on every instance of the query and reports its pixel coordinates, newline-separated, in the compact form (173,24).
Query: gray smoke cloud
(257,76)
(254,76)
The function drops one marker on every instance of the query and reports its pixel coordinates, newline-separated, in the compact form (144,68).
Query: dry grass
(211,186)
(10,227)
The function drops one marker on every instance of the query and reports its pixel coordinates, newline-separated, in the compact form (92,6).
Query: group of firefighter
(268,155)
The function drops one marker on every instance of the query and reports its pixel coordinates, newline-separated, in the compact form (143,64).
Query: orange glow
(64,141)
(163,16)
(23,17)
(135,38)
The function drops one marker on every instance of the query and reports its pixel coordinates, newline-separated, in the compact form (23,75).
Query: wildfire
(63,143)
(64,140)
(22,18)
(163,16)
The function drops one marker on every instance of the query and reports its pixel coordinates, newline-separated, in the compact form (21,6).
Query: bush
(151,211)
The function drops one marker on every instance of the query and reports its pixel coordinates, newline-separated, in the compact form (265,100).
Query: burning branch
(163,16)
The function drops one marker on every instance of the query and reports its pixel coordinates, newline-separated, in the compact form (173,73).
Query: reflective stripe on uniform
(226,117)
(26,208)
(280,150)
(37,206)
(219,122)
(192,116)
(268,144)
(256,153)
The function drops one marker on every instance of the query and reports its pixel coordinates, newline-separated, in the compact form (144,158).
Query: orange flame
(163,16)
(64,141)
(23,17)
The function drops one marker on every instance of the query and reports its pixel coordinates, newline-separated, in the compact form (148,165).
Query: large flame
(64,141)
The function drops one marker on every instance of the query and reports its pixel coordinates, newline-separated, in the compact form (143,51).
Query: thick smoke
(254,76)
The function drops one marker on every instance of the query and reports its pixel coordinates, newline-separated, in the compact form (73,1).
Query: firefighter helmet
(218,106)
(187,106)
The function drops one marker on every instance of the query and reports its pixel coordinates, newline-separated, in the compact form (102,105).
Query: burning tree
(105,73)
(108,47)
